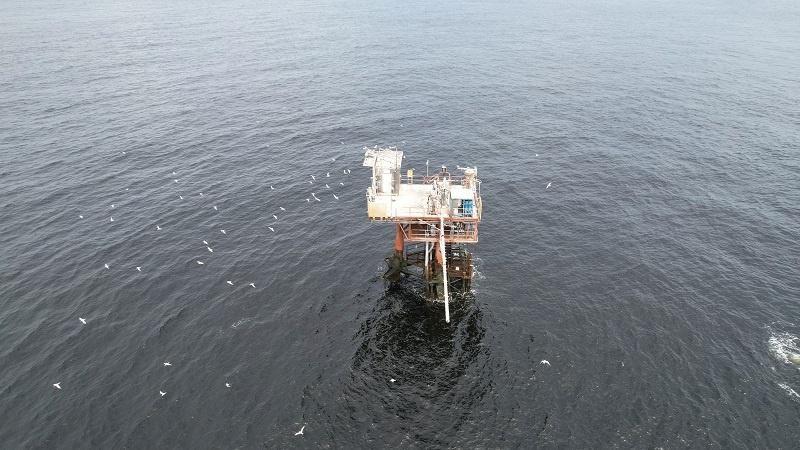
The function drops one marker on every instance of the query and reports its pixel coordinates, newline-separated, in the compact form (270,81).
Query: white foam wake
(784,347)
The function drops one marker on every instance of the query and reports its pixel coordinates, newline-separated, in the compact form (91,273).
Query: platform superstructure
(440,210)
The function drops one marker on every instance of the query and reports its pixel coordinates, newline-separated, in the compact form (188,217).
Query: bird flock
(272,227)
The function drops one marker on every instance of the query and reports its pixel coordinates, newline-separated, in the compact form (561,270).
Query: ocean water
(658,274)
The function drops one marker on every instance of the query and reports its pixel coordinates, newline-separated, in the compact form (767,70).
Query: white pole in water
(444,269)
(427,244)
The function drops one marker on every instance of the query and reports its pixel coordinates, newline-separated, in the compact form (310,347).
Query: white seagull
(112,206)
(328,174)
(334,196)
(204,242)
(315,197)
(210,250)
(253,284)
(544,362)
(167,364)
(57,385)
(271,187)
(201,194)
(276,217)
(83,321)
(181,197)
(158,228)
(215,208)
(162,393)
(392,380)
(230,282)
(341,184)
(313,178)
(308,199)
(326,186)
(227,385)
(173,172)
(310,182)
(176,180)
(548,185)
(223,232)
(80,217)
(200,262)
(138,268)
(299,433)
(106,265)
(112,219)
(282,208)
(271,229)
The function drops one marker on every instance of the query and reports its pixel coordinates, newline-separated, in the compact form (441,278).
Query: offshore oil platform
(440,210)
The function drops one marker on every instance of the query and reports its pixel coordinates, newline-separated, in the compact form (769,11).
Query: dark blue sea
(659,274)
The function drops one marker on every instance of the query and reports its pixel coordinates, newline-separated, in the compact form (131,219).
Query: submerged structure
(440,210)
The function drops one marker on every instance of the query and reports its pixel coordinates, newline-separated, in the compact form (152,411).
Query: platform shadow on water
(439,369)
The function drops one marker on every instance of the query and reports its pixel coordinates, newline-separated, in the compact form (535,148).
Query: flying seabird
(138,268)
(227,385)
(282,208)
(548,185)
(112,206)
(162,393)
(204,242)
(176,180)
(271,229)
(181,197)
(201,194)
(276,217)
(106,265)
(253,284)
(57,385)
(308,199)
(223,231)
(334,196)
(271,187)
(315,197)
(210,250)
(299,433)
(310,182)
(215,208)
(313,178)
(112,219)
(83,321)
(326,186)
(348,171)
(392,380)
(200,262)
(341,184)
(158,228)
(328,174)
(167,364)
(81,217)
(545,362)
(230,282)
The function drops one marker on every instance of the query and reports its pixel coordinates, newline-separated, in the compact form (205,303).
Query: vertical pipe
(444,270)
(426,260)
(399,241)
